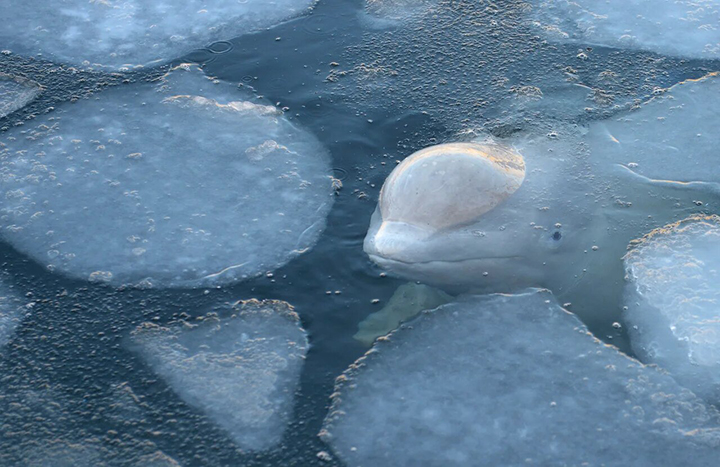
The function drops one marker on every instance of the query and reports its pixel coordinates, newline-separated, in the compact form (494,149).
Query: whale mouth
(384,260)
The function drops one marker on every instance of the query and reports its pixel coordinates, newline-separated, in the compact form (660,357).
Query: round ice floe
(689,28)
(127,33)
(511,380)
(671,140)
(15,92)
(240,365)
(182,182)
(673,301)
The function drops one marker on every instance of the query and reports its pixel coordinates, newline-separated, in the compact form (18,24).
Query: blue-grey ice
(673,302)
(181,182)
(471,63)
(391,12)
(240,365)
(686,28)
(511,380)
(15,93)
(61,436)
(669,141)
(121,34)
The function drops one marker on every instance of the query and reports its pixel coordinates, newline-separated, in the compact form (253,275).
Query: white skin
(552,231)
(449,218)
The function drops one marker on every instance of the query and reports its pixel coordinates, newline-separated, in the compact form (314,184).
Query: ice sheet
(673,301)
(121,34)
(687,28)
(511,380)
(182,182)
(240,365)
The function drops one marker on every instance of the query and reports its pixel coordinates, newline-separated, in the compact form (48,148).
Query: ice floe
(15,93)
(673,301)
(122,34)
(688,28)
(511,380)
(181,182)
(240,365)
(389,12)
(60,433)
(671,140)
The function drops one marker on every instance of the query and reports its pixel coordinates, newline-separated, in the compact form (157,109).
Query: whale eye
(557,236)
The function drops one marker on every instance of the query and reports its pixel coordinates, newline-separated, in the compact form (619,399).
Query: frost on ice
(510,380)
(673,301)
(389,12)
(182,182)
(687,28)
(471,63)
(15,92)
(61,435)
(240,365)
(670,141)
(125,33)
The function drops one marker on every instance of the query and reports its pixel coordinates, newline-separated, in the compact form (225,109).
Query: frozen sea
(362,85)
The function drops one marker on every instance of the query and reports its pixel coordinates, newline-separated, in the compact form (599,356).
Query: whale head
(465,216)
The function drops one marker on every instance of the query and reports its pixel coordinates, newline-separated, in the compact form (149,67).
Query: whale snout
(393,241)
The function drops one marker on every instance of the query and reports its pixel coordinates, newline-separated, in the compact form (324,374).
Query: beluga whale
(554,207)
(484,215)
(562,207)
(428,221)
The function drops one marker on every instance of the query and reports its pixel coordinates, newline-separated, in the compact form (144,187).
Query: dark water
(73,340)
